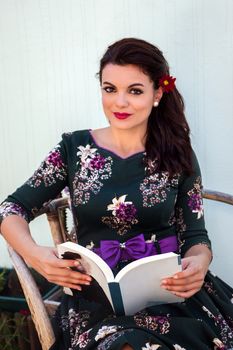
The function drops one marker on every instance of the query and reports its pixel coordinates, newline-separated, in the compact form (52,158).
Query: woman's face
(127,96)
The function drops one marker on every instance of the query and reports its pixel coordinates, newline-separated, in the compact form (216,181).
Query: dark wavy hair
(168,146)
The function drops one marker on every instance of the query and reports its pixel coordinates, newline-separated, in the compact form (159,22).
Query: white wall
(49,53)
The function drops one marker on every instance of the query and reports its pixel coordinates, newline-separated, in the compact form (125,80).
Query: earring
(156,103)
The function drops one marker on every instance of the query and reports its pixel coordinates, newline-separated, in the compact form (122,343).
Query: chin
(120,125)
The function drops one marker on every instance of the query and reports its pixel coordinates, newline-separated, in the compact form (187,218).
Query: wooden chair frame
(55,212)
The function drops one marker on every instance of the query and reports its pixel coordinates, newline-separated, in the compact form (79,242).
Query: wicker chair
(56,215)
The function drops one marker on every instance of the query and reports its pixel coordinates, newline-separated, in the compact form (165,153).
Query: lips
(121,115)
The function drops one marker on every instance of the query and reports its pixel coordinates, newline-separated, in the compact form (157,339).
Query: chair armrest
(34,300)
(218,196)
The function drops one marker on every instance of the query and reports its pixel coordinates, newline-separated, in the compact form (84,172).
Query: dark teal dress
(117,199)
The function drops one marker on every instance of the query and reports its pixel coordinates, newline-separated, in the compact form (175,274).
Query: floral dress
(118,200)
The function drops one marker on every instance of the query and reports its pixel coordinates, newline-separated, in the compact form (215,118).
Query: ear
(158,94)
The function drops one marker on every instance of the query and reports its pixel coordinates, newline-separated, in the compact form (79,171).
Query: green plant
(2,279)
(11,330)
(15,325)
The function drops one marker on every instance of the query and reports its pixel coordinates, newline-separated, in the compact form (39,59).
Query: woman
(138,175)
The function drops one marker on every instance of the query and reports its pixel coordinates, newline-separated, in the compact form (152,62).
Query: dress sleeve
(189,211)
(44,185)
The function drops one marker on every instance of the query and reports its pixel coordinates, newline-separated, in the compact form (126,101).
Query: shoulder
(76,135)
(195,162)
(76,138)
(71,141)
(194,175)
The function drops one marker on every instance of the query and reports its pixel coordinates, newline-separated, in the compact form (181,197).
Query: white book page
(93,265)
(140,282)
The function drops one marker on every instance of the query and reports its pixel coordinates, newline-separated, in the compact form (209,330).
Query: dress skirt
(204,321)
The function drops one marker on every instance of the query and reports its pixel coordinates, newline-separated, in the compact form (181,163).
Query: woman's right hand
(45,261)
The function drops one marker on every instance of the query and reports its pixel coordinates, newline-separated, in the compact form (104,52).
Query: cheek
(145,104)
(106,101)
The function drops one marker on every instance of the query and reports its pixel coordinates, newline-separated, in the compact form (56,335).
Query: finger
(192,270)
(65,272)
(183,281)
(188,287)
(61,279)
(77,274)
(56,262)
(70,285)
(186,294)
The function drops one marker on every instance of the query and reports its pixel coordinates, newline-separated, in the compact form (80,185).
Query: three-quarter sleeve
(45,184)
(189,211)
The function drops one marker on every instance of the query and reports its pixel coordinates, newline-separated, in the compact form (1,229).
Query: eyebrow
(131,85)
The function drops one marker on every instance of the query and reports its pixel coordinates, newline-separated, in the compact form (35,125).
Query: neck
(127,141)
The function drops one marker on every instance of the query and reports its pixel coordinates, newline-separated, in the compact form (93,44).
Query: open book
(136,286)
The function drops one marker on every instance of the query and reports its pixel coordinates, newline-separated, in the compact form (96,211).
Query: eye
(136,91)
(108,89)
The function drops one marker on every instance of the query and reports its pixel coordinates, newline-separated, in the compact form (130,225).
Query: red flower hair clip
(167,83)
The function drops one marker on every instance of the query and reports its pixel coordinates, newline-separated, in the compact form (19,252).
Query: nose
(121,100)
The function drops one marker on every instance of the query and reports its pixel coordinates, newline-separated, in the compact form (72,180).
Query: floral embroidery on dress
(51,168)
(90,245)
(195,201)
(160,324)
(93,168)
(10,208)
(209,288)
(152,238)
(180,226)
(123,215)
(106,330)
(225,330)
(149,346)
(76,322)
(84,339)
(172,219)
(154,188)
(178,347)
(109,340)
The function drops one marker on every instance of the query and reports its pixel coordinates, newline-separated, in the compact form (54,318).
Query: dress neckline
(110,151)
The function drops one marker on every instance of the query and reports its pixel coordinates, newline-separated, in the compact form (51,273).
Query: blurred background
(49,55)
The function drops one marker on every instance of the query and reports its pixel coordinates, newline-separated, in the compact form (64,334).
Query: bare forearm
(16,232)
(43,259)
(194,268)
(202,251)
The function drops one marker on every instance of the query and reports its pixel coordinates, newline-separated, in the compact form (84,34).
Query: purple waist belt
(112,251)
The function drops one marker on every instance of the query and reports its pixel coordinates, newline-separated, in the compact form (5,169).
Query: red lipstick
(121,115)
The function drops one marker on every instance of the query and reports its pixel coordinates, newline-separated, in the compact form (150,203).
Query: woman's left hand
(190,280)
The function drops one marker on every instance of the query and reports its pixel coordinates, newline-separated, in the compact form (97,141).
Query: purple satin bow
(135,248)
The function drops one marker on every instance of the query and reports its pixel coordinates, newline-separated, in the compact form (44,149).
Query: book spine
(117,300)
(179,259)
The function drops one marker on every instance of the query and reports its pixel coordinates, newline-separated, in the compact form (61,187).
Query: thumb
(185,262)
(54,252)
